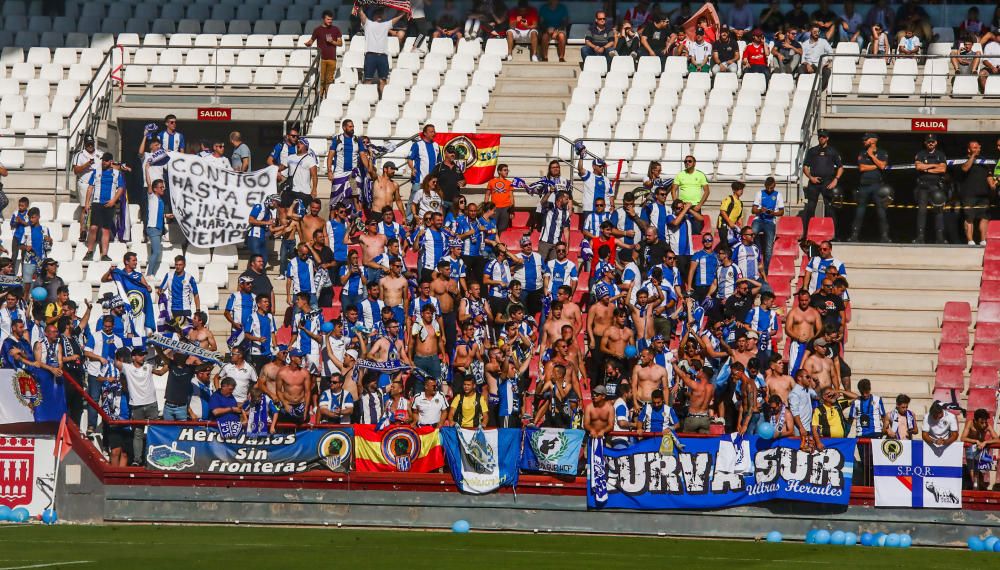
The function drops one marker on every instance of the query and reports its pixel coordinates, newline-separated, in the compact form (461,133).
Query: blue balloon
(327,327)
(850,539)
(975,543)
(774,536)
(460,526)
(867,538)
(989,542)
(822,536)
(892,540)
(879,539)
(49,516)
(39,293)
(996,547)
(20,515)
(4,513)
(837,537)
(630,351)
(905,540)
(811,536)
(765,430)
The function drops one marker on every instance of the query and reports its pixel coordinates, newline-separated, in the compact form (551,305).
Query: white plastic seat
(443,46)
(22,72)
(623,63)
(965,86)
(698,80)
(595,63)
(265,77)
(209,296)
(649,64)
(872,80)
(675,64)
(292,77)
(161,75)
(80,291)
(993,85)
(904,77)
(414,110)
(379,128)
(21,122)
(215,274)
(471,112)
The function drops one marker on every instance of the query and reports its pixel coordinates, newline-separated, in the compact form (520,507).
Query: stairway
(897,294)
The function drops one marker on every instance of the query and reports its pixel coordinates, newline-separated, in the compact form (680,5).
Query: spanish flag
(397,448)
(477,153)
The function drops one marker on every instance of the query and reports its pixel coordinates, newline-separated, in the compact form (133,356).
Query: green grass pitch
(144,547)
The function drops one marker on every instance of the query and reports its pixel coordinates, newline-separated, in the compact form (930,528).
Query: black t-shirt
(726,50)
(821,15)
(178,391)
(829,307)
(797,18)
(448,179)
(872,177)
(652,254)
(738,306)
(326,256)
(823,162)
(656,37)
(261,283)
(936,157)
(974,183)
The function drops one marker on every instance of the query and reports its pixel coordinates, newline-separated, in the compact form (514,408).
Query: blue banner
(204,450)
(481,461)
(551,450)
(137,298)
(712,473)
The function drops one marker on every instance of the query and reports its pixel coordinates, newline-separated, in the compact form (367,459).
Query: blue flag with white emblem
(137,298)
(551,450)
(481,461)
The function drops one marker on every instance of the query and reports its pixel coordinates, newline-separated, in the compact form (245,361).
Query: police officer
(930,166)
(872,162)
(823,169)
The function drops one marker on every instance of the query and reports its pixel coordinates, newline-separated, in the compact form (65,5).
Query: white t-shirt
(377,36)
(139,380)
(700,53)
(943,427)
(429,410)
(299,166)
(244,377)
(220,161)
(427,202)
(81,158)
(991,53)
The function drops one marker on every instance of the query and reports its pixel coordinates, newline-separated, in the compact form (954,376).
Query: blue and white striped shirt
(371,312)
(242,306)
(154,211)
(763,320)
(531,272)
(346,154)
(180,291)
(303,342)
(771,201)
(392,230)
(498,271)
(679,237)
(105,183)
(509,396)
(561,273)
(335,230)
(556,220)
(658,216)
(817,268)
(418,305)
(432,247)
(425,156)
(261,325)
(281,151)
(457,268)
(623,222)
(301,273)
(172,141)
(261,213)
(594,187)
(593,222)
(747,258)
(353,286)
(727,276)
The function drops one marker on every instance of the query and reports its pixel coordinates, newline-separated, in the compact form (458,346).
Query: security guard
(823,169)
(872,161)
(931,167)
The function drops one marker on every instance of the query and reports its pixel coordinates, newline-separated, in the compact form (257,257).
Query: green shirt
(690,186)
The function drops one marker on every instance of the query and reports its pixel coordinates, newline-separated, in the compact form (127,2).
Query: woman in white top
(239,370)
(940,428)
(428,198)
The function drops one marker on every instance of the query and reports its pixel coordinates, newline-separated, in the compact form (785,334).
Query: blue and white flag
(31,395)
(551,450)
(916,474)
(481,461)
(598,472)
(137,297)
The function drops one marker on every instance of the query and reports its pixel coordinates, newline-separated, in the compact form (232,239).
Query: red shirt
(755,54)
(596,244)
(529,15)
(324,36)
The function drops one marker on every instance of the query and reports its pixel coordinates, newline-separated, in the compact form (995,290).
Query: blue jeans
(94,391)
(258,246)
(769,229)
(287,252)
(27,271)
(350,300)
(155,236)
(588,51)
(175,413)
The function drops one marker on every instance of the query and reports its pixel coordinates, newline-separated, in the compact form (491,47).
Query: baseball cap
(822,133)
(282,348)
(699,32)
(752,334)
(245,279)
(352,353)
(598,162)
(820,342)
(930,137)
(389,164)
(526,240)
(867,136)
(49,261)
(455,243)
(304,141)
(598,391)
(88,139)
(107,156)
(296,352)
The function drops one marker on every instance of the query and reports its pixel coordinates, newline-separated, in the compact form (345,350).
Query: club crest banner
(27,473)
(398,448)
(711,473)
(31,395)
(551,450)
(212,204)
(915,474)
(203,450)
(475,154)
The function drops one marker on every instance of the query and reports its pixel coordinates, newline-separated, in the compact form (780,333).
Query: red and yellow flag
(478,153)
(397,448)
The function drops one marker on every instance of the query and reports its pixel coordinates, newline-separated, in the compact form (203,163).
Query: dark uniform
(868,186)
(927,185)
(974,190)
(824,163)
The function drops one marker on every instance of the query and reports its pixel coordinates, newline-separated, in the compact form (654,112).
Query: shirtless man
(599,417)
(554,323)
(615,338)
(467,348)
(571,311)
(778,383)
(294,389)
(561,359)
(445,290)
(802,325)
(385,192)
(389,346)
(642,314)
(267,379)
(394,290)
(701,390)
(200,334)
(599,318)
(646,377)
(427,350)
(372,245)
(311,222)
(821,367)
(746,348)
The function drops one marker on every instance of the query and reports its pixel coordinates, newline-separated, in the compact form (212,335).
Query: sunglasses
(688,161)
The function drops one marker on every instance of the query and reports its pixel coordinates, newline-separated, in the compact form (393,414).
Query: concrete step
(936,257)
(519,122)
(550,72)
(533,88)
(909,300)
(880,362)
(528,105)
(878,318)
(903,278)
(901,340)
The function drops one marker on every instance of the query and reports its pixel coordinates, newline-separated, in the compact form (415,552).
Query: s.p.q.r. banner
(712,473)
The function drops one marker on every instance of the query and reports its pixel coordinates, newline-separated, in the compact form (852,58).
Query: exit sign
(929,124)
(215,114)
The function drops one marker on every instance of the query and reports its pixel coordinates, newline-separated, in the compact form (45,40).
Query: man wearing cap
(104,189)
(872,162)
(931,165)
(347,154)
(451,180)
(531,272)
(86,162)
(385,192)
(698,52)
(819,365)
(823,168)
(425,154)
(302,168)
(141,395)
(241,305)
(755,55)
(768,206)
(595,186)
(599,416)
